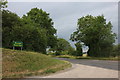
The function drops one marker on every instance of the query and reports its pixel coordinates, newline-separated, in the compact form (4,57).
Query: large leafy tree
(3,4)
(41,19)
(95,33)
(34,39)
(22,29)
(35,30)
(9,20)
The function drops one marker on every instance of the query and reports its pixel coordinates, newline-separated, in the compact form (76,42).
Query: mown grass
(91,58)
(17,64)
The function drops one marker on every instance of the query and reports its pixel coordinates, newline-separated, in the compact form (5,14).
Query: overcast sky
(66,14)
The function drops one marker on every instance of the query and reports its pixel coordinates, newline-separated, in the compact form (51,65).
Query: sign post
(17,44)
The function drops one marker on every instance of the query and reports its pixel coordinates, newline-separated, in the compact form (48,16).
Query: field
(19,64)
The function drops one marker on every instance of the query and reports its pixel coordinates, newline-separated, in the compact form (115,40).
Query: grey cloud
(66,14)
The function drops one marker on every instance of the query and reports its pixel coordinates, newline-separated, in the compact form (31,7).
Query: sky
(66,14)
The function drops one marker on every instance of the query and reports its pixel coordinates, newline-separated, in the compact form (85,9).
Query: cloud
(67,23)
(63,0)
(66,14)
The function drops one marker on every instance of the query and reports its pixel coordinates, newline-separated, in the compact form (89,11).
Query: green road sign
(17,44)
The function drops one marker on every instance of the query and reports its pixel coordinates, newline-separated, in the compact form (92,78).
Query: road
(97,63)
(87,69)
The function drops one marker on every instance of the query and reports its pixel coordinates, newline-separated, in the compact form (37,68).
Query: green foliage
(52,53)
(115,51)
(118,49)
(95,33)
(3,4)
(64,53)
(10,19)
(63,46)
(71,51)
(35,30)
(78,49)
(41,19)
(34,39)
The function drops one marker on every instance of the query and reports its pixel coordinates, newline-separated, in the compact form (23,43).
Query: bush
(64,53)
(77,53)
(115,51)
(51,53)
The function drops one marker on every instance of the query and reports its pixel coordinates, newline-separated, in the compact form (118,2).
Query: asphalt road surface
(87,69)
(96,63)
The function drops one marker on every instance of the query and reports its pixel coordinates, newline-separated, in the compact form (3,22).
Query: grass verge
(91,58)
(19,64)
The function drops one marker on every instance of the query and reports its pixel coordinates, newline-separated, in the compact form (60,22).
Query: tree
(115,51)
(41,19)
(95,33)
(3,4)
(34,39)
(35,30)
(62,45)
(78,49)
(71,51)
(119,50)
(9,20)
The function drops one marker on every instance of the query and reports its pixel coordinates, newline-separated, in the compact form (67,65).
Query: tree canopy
(96,33)
(41,19)
(10,19)
(3,4)
(62,46)
(35,30)
(78,49)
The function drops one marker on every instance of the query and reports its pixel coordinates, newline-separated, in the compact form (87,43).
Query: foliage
(95,33)
(63,46)
(89,58)
(71,51)
(35,30)
(41,19)
(3,4)
(9,20)
(34,39)
(78,49)
(115,51)
(118,49)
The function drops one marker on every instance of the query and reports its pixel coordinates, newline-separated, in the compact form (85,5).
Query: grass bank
(91,58)
(19,64)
